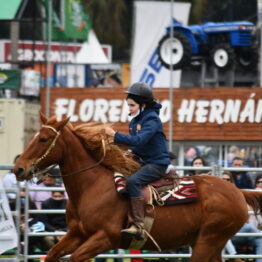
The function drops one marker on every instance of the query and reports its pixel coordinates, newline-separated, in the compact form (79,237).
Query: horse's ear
(42,117)
(61,124)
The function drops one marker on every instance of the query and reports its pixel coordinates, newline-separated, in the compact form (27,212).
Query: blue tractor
(222,44)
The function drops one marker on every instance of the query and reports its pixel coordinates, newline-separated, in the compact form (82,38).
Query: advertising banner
(233,114)
(10,79)
(8,234)
(151,20)
(28,51)
(69,20)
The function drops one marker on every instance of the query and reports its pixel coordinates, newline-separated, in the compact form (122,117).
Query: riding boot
(135,219)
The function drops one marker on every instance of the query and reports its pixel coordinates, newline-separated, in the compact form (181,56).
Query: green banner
(10,79)
(69,20)
(77,23)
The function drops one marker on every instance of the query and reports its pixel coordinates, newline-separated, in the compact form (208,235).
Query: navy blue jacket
(147,138)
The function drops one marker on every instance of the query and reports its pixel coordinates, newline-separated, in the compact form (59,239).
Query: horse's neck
(76,158)
(74,152)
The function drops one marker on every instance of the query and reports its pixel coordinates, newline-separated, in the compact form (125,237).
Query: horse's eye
(43,140)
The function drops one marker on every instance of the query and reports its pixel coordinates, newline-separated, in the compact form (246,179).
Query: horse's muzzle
(21,174)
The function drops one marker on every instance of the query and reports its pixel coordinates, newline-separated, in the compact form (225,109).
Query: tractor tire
(178,47)
(247,58)
(223,56)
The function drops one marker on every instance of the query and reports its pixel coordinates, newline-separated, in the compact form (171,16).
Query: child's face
(133,106)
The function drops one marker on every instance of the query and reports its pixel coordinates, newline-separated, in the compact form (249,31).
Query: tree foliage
(111,21)
(223,10)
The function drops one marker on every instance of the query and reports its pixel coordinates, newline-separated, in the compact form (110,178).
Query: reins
(93,166)
(39,173)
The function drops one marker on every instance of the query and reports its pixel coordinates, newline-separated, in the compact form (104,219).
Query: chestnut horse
(96,214)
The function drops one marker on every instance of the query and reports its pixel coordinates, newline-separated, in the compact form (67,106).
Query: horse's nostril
(20,170)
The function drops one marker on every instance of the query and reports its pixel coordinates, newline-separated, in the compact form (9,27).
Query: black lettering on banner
(3,215)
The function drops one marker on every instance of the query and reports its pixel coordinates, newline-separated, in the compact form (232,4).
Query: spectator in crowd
(9,181)
(256,220)
(54,222)
(252,241)
(34,225)
(248,227)
(241,179)
(258,182)
(190,153)
(229,247)
(198,162)
(49,181)
(234,151)
(226,175)
(231,250)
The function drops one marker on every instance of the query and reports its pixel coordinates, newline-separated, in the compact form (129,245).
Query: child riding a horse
(147,141)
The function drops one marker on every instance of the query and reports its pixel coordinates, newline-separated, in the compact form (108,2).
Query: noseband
(35,169)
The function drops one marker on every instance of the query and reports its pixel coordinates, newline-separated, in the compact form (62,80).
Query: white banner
(30,83)
(151,20)
(8,234)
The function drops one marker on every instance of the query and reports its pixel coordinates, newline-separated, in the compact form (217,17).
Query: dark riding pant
(145,175)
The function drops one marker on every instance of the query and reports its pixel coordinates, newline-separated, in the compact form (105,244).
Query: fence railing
(215,169)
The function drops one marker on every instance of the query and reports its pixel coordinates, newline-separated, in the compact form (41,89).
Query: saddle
(168,190)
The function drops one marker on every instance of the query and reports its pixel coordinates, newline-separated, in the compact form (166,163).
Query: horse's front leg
(67,245)
(95,245)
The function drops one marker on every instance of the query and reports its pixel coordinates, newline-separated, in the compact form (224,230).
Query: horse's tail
(253,199)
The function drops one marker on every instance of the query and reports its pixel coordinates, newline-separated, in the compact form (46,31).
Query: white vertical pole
(171,99)
(48,66)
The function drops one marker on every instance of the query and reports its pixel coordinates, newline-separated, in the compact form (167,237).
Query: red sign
(37,52)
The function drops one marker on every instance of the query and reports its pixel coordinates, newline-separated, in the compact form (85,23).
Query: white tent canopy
(91,51)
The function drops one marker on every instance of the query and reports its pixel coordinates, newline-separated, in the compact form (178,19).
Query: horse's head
(43,149)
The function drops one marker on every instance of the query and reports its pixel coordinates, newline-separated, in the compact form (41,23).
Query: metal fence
(24,256)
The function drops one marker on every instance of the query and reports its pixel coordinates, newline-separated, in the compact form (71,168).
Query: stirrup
(138,235)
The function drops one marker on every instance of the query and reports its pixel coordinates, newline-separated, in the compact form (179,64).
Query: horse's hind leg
(207,250)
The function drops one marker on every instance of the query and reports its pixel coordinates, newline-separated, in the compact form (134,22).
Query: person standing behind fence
(248,227)
(253,241)
(226,175)
(256,220)
(258,182)
(198,162)
(241,179)
(54,222)
(229,247)
(9,181)
(49,181)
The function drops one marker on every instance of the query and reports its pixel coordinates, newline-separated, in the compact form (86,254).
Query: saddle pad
(184,192)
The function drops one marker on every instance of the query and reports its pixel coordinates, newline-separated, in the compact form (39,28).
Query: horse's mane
(116,158)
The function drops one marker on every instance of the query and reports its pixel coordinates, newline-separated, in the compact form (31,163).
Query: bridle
(39,173)
(51,146)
